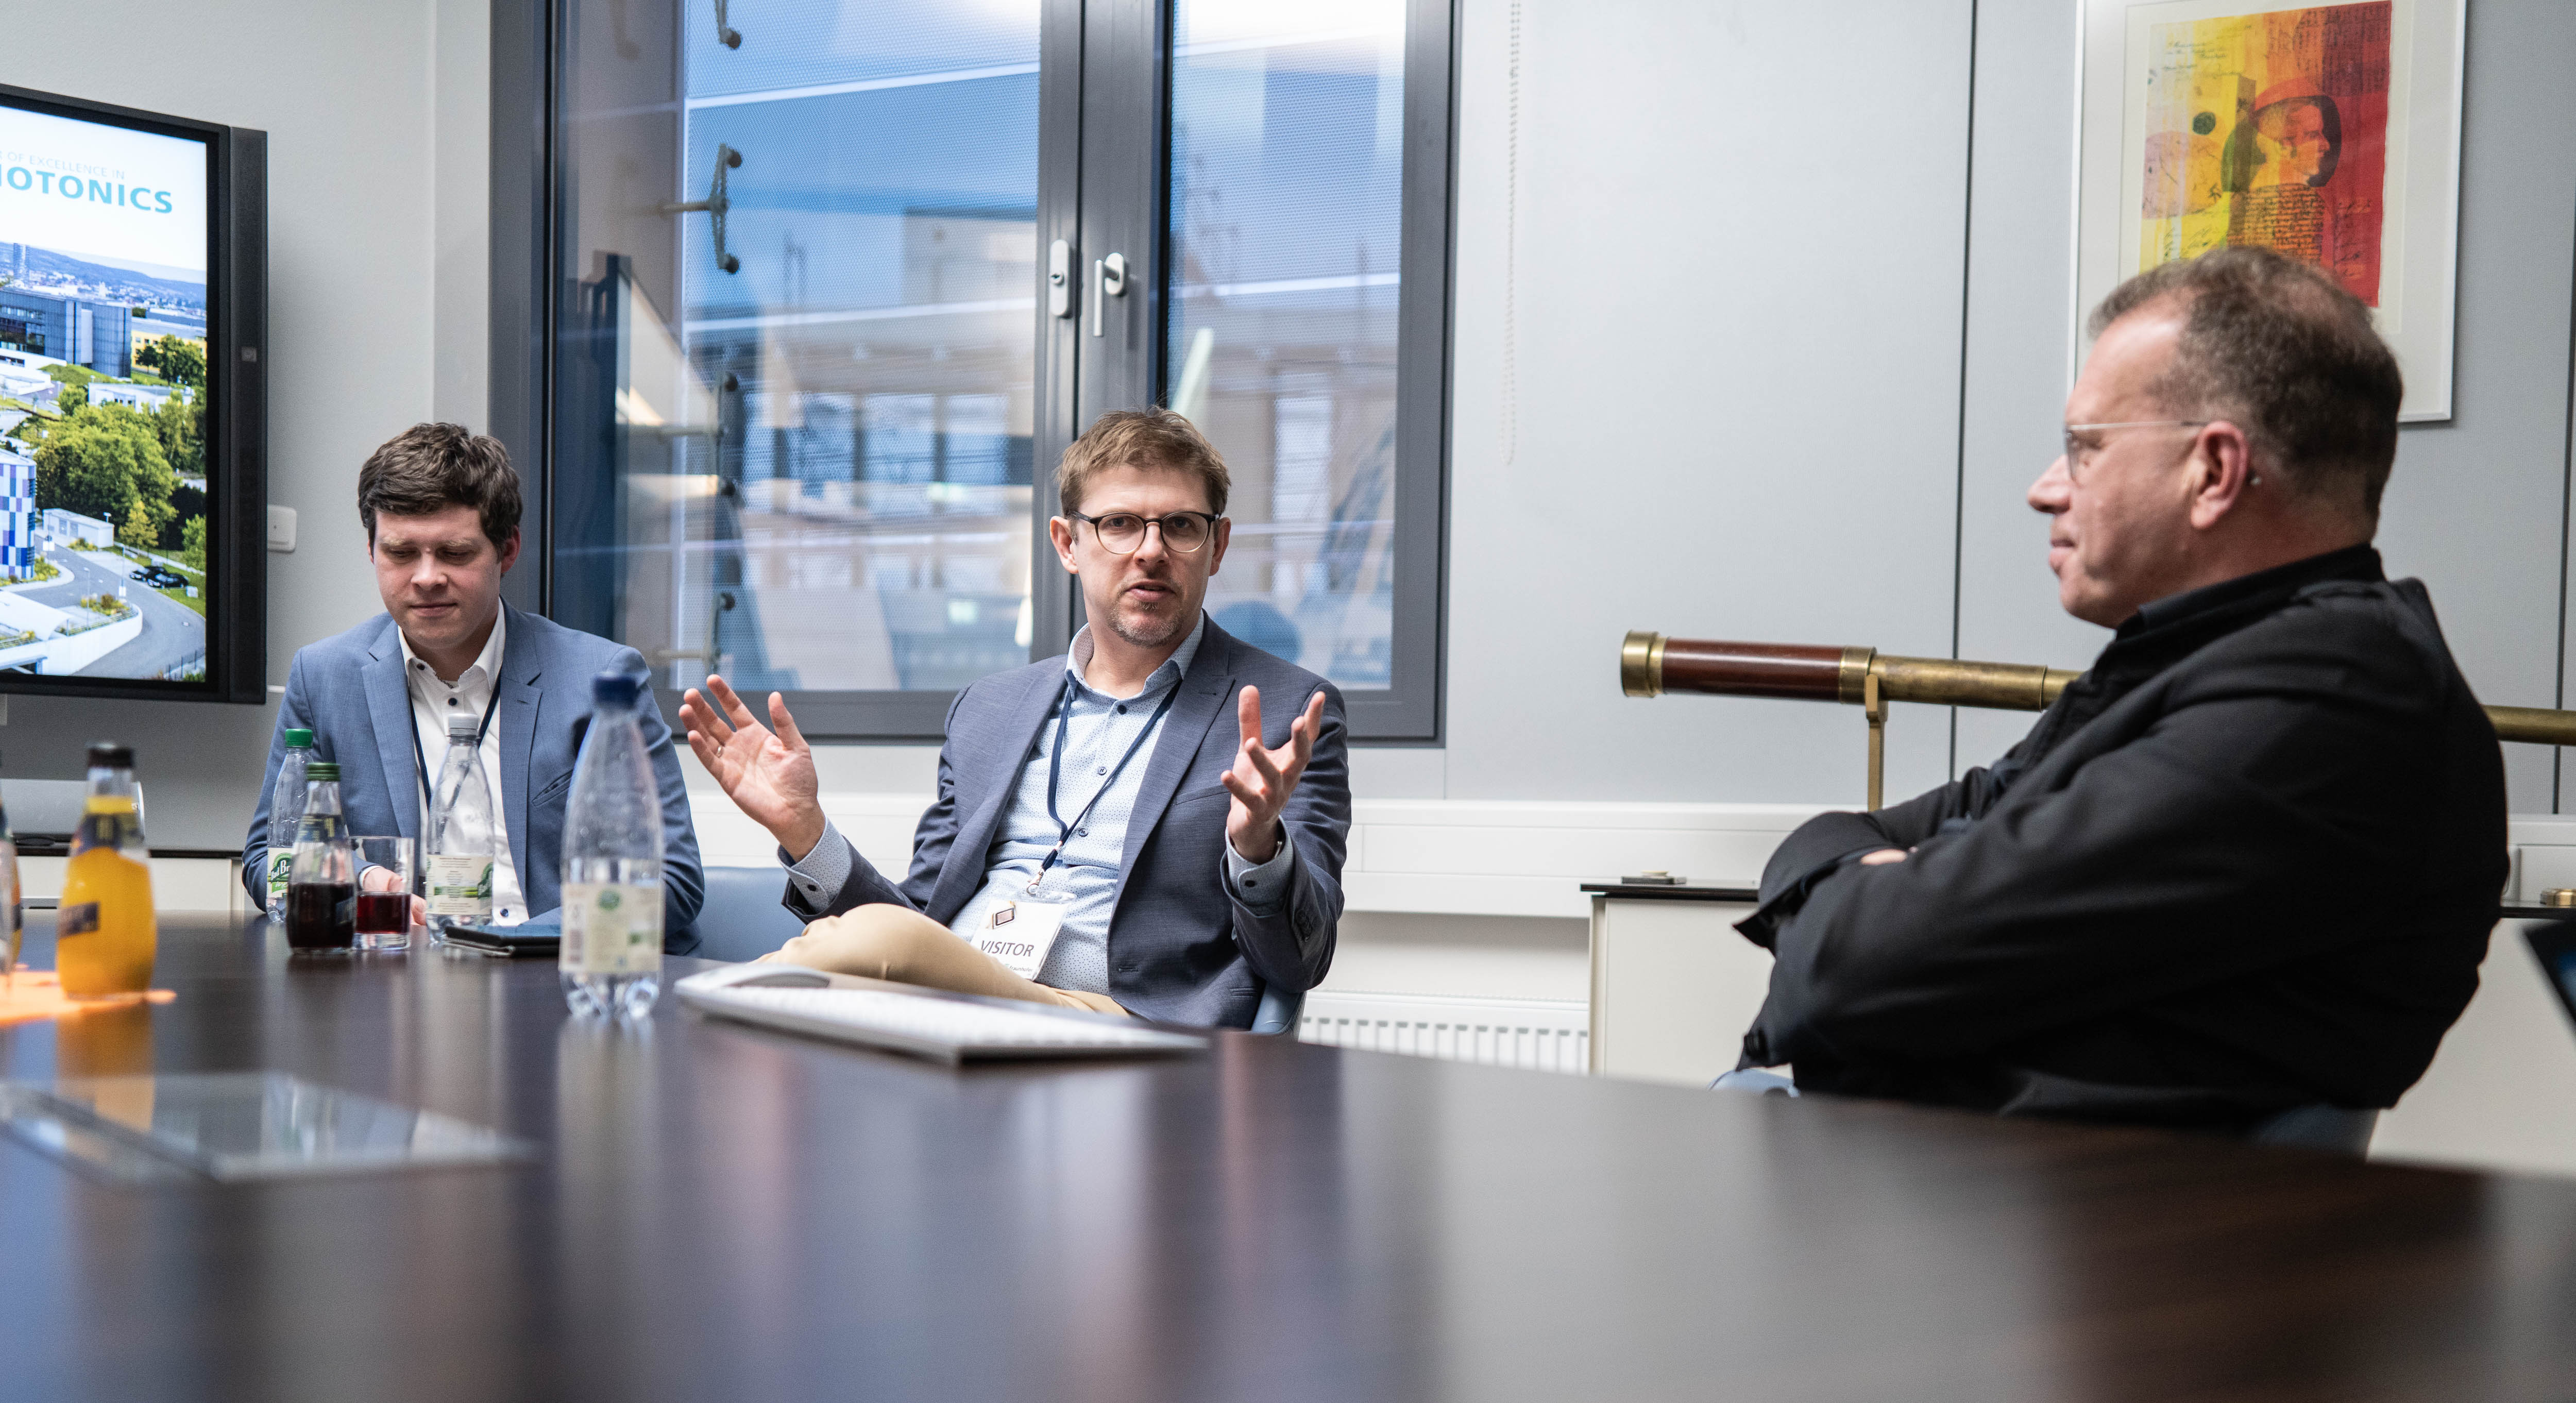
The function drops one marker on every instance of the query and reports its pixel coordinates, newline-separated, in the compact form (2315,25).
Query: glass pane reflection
(236,1126)
(1280,342)
(815,469)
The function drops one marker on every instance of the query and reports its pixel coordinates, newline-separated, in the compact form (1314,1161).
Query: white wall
(375,114)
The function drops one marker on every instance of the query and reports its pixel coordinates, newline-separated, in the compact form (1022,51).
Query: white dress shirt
(433,700)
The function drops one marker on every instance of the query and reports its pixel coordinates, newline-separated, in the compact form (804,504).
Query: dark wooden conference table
(722,1212)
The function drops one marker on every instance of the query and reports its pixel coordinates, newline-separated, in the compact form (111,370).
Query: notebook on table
(949,1028)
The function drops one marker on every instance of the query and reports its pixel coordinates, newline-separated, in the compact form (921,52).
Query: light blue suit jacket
(349,690)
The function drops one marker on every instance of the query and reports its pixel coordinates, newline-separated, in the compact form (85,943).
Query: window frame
(1103,151)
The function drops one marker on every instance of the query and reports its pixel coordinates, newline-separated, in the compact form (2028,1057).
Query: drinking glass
(388,878)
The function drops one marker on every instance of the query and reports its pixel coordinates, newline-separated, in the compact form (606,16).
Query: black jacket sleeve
(1823,845)
(2149,869)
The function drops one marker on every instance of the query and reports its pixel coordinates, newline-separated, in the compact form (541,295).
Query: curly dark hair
(431,467)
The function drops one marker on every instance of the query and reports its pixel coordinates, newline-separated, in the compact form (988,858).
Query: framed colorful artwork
(2328,132)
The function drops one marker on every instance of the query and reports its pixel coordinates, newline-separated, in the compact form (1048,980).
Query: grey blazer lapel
(519,699)
(1205,690)
(963,874)
(389,716)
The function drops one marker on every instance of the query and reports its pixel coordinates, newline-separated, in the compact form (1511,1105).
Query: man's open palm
(768,774)
(1262,778)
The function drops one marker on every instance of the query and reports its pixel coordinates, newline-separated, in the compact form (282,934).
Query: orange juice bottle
(104,935)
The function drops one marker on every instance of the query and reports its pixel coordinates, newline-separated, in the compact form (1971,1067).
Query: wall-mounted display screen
(126,448)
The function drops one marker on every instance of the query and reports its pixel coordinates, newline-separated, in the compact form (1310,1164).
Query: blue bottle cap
(616,689)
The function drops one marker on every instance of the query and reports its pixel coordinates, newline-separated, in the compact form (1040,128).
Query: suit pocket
(554,787)
(1213,794)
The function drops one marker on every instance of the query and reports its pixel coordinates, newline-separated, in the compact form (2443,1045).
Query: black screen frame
(236,431)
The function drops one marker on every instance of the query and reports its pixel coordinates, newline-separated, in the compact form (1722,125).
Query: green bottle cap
(322,769)
(297,735)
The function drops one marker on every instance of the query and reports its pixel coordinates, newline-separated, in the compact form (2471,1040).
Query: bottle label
(611,928)
(280,862)
(107,830)
(461,885)
(81,919)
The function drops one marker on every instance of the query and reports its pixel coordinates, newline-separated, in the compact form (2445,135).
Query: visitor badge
(1019,933)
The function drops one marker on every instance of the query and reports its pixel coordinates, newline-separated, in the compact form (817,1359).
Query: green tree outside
(181,427)
(179,361)
(192,547)
(106,461)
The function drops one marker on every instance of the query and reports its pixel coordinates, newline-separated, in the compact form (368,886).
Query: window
(789,367)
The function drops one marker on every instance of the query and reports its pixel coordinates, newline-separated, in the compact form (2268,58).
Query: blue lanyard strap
(1055,771)
(420,758)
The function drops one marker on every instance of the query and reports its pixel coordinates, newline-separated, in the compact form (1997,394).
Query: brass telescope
(1651,664)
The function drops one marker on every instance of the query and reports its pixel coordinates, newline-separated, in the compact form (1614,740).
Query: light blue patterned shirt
(1099,729)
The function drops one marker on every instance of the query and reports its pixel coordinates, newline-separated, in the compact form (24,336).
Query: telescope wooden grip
(1798,671)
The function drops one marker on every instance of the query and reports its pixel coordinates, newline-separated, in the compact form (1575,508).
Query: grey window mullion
(1124,115)
(1060,183)
(1410,710)
(522,196)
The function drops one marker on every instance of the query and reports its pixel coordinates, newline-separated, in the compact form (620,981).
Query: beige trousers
(897,943)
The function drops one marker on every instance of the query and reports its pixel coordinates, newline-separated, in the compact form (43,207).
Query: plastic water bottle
(611,955)
(285,812)
(460,856)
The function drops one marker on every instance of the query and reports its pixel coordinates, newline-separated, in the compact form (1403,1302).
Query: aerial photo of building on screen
(102,400)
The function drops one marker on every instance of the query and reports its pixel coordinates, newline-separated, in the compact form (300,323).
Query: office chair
(2319,1127)
(741,919)
(1278,1012)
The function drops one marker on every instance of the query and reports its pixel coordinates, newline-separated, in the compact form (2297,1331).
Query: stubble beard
(1151,632)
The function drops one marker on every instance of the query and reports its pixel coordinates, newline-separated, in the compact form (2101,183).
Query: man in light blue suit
(441,507)
(1102,838)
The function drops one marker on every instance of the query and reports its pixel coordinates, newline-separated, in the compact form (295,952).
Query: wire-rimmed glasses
(2079,452)
(1123,532)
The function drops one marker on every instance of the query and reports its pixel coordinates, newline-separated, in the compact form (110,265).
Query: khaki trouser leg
(897,943)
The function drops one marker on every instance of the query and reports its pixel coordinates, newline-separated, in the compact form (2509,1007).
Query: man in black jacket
(2248,861)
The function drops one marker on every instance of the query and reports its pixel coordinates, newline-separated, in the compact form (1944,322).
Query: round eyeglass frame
(1207,523)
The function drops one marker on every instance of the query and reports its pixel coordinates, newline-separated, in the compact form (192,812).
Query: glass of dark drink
(321,916)
(386,873)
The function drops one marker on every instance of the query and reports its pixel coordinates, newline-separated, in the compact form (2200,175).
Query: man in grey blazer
(441,507)
(1102,837)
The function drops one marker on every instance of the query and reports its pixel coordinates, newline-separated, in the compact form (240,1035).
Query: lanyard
(428,785)
(1055,771)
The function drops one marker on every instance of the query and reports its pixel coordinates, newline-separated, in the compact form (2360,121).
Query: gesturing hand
(1262,779)
(769,776)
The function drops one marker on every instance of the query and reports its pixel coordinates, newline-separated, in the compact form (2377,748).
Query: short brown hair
(2277,347)
(1152,437)
(431,467)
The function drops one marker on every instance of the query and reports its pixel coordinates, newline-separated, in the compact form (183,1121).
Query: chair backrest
(742,918)
(2319,1127)
(1278,1012)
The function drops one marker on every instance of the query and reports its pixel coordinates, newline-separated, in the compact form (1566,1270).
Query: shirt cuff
(813,883)
(1262,887)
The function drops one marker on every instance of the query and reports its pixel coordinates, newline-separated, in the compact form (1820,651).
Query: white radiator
(1548,1035)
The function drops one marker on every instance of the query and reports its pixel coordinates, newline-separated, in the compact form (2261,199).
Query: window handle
(715,205)
(726,35)
(1060,279)
(1108,279)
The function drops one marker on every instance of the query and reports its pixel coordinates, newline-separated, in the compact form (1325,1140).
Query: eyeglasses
(1124,532)
(2080,454)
